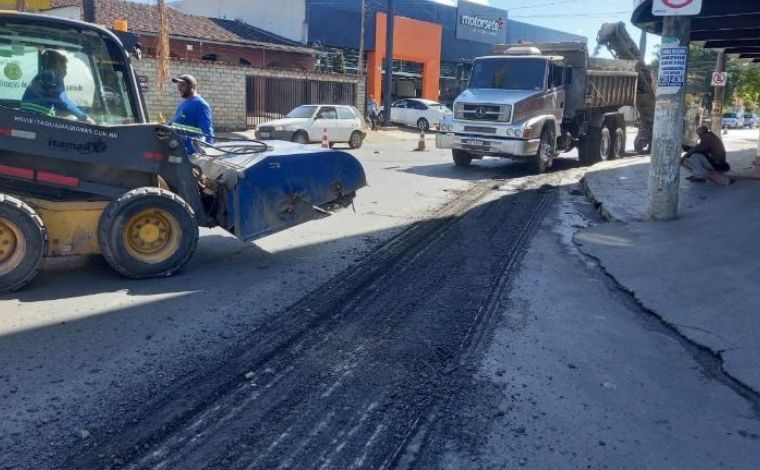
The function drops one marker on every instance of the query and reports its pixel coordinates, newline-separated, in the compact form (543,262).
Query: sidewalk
(699,273)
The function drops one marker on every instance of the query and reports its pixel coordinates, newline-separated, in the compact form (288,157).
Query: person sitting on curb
(708,155)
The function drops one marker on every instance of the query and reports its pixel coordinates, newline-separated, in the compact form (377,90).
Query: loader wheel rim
(13,246)
(152,236)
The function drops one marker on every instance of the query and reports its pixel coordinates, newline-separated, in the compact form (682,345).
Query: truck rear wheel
(461,157)
(618,144)
(589,148)
(23,244)
(148,233)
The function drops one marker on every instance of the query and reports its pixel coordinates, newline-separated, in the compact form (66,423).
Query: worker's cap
(187,78)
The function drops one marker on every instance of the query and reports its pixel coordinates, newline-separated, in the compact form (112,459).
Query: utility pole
(387,99)
(719,96)
(643,45)
(664,171)
(360,62)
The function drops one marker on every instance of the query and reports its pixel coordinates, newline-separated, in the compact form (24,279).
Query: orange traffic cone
(325,140)
(421,142)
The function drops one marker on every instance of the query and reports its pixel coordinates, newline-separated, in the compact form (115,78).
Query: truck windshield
(64,72)
(509,74)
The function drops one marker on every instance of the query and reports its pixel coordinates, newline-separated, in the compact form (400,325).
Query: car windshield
(302,112)
(64,72)
(509,74)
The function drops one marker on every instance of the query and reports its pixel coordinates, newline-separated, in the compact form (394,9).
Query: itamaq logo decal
(483,23)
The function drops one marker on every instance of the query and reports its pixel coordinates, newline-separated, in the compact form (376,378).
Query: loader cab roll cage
(97,75)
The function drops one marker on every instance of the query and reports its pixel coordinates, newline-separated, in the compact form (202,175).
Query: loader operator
(46,93)
(193,115)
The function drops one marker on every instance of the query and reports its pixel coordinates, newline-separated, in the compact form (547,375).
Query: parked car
(751,120)
(419,113)
(307,123)
(732,121)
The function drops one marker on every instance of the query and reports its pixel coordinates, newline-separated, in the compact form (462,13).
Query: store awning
(732,26)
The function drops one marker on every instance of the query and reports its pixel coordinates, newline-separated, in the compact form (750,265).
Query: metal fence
(270,98)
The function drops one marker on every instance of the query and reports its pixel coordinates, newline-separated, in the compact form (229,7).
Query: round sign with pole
(719,79)
(676,7)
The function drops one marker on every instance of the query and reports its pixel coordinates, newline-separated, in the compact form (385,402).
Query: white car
(419,113)
(307,123)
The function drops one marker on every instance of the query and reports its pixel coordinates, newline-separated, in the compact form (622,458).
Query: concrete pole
(360,65)
(664,171)
(719,97)
(388,99)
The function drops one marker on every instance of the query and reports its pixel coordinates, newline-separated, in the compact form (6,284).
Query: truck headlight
(447,123)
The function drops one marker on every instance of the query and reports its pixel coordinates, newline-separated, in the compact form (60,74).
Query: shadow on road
(488,168)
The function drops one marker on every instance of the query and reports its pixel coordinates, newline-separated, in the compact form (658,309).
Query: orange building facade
(413,41)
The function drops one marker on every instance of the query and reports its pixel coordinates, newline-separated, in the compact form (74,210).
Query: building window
(210,57)
(244,62)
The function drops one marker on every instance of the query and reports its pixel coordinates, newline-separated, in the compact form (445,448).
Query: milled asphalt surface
(472,339)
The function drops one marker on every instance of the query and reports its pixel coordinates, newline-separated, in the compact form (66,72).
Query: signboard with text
(481,23)
(672,75)
(676,7)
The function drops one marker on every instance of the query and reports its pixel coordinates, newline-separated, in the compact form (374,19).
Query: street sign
(676,7)
(719,79)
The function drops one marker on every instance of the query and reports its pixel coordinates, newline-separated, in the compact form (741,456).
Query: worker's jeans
(699,164)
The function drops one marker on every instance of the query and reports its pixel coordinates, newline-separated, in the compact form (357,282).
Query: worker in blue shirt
(193,117)
(46,94)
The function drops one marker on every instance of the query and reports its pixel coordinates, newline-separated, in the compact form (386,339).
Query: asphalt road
(81,343)
(449,323)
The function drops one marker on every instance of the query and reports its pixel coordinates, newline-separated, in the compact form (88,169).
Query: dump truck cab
(83,171)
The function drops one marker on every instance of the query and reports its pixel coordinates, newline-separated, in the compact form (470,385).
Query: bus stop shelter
(731,26)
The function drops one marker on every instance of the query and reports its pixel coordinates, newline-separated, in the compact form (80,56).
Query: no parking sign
(676,7)
(719,79)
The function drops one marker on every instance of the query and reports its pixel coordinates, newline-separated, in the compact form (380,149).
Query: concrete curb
(607,214)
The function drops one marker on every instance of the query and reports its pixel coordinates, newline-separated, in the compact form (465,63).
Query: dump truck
(83,170)
(536,101)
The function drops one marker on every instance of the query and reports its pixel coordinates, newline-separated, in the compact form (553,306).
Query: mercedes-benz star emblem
(480,112)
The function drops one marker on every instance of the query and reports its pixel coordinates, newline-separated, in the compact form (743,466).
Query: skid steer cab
(83,172)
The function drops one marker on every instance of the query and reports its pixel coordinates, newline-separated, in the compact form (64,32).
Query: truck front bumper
(484,145)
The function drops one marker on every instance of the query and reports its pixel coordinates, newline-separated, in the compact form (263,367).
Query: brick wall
(223,86)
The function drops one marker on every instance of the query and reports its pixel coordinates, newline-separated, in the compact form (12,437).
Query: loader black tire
(23,244)
(148,233)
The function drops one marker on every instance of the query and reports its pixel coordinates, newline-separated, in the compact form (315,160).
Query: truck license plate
(475,143)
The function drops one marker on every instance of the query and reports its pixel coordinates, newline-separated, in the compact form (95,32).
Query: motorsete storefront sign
(481,23)
(676,7)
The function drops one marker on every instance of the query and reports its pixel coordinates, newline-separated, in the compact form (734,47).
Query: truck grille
(483,112)
(482,130)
